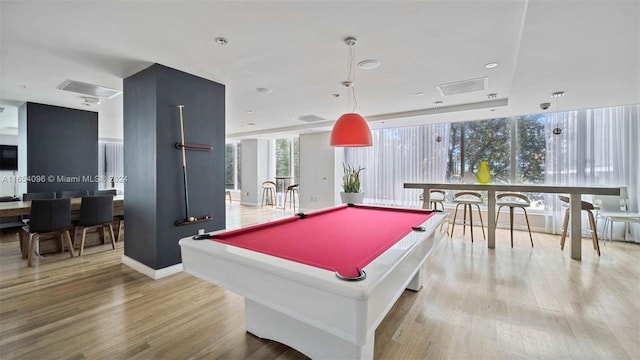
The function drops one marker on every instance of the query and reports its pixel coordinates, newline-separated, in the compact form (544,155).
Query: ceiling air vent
(89,89)
(463,87)
(310,118)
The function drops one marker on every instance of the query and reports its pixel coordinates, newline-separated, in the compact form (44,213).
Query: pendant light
(351,129)
(557,95)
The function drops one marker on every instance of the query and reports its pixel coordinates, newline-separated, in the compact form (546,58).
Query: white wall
(255,170)
(110,118)
(8,186)
(320,172)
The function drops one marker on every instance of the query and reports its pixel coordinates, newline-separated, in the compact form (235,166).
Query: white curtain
(111,166)
(399,155)
(596,147)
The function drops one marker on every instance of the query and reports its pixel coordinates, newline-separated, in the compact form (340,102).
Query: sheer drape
(596,147)
(399,155)
(111,165)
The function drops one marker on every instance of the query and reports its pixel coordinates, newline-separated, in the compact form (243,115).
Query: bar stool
(514,200)
(292,190)
(268,193)
(467,199)
(588,207)
(435,197)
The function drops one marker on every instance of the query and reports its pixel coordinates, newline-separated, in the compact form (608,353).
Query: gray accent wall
(153,166)
(58,144)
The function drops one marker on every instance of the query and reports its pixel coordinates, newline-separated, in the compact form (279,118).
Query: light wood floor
(476,304)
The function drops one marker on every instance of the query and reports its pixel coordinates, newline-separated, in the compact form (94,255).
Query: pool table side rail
(349,310)
(295,271)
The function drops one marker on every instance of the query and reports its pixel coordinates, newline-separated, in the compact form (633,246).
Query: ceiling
(590,50)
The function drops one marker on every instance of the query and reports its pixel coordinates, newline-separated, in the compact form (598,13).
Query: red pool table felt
(341,239)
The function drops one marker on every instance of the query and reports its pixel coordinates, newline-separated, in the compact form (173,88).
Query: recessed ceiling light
(368,64)
(557,94)
(438,103)
(221,41)
(251,124)
(264,90)
(249,111)
(419,93)
(491,65)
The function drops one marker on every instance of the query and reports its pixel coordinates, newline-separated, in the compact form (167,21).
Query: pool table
(320,282)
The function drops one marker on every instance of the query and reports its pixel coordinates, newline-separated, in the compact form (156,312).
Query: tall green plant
(351,178)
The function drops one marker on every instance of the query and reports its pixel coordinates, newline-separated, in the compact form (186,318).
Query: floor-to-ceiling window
(399,155)
(232,166)
(596,146)
(287,152)
(111,165)
(514,149)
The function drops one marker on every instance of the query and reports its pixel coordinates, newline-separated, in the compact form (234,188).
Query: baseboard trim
(152,273)
(246,203)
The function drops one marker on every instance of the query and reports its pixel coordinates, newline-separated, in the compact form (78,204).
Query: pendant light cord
(353,102)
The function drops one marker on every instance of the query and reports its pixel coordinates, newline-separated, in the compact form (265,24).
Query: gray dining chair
(96,212)
(72,194)
(47,217)
(36,196)
(113,192)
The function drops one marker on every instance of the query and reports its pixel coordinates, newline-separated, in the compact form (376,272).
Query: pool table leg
(268,323)
(416,283)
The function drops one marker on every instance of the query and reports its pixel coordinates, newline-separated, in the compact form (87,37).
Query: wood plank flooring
(477,303)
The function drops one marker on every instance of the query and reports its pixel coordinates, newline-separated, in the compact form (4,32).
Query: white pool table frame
(308,308)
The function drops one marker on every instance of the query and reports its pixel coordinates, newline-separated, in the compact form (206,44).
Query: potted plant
(351,193)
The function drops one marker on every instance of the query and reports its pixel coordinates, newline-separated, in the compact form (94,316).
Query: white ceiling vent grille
(463,87)
(89,89)
(310,118)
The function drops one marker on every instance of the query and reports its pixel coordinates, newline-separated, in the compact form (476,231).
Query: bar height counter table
(575,193)
(281,188)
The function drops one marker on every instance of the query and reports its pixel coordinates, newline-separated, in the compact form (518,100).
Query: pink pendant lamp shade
(351,129)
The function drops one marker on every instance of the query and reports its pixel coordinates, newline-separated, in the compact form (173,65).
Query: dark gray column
(154,191)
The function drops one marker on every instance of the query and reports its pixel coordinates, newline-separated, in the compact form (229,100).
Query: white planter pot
(352,198)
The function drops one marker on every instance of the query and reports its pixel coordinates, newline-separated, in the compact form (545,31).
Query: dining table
(23,208)
(575,193)
(281,187)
